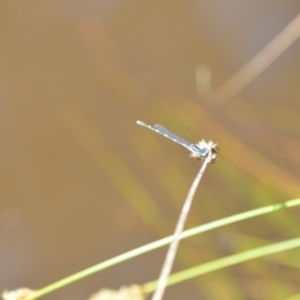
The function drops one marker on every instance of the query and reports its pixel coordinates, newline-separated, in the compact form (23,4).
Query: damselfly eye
(197,150)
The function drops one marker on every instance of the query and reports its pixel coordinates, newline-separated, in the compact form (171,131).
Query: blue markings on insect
(195,149)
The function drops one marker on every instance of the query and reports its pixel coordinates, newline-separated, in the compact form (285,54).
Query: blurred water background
(81,182)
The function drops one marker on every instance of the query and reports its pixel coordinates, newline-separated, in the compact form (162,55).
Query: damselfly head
(207,149)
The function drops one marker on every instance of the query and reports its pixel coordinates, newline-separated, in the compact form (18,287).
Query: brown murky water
(81,182)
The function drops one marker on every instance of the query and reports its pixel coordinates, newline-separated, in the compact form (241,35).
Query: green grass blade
(160,243)
(225,262)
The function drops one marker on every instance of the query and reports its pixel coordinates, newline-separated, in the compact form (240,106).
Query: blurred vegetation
(80,182)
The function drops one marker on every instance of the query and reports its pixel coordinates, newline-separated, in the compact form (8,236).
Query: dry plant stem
(169,260)
(261,61)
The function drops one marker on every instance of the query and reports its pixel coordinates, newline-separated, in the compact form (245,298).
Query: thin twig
(253,68)
(169,260)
